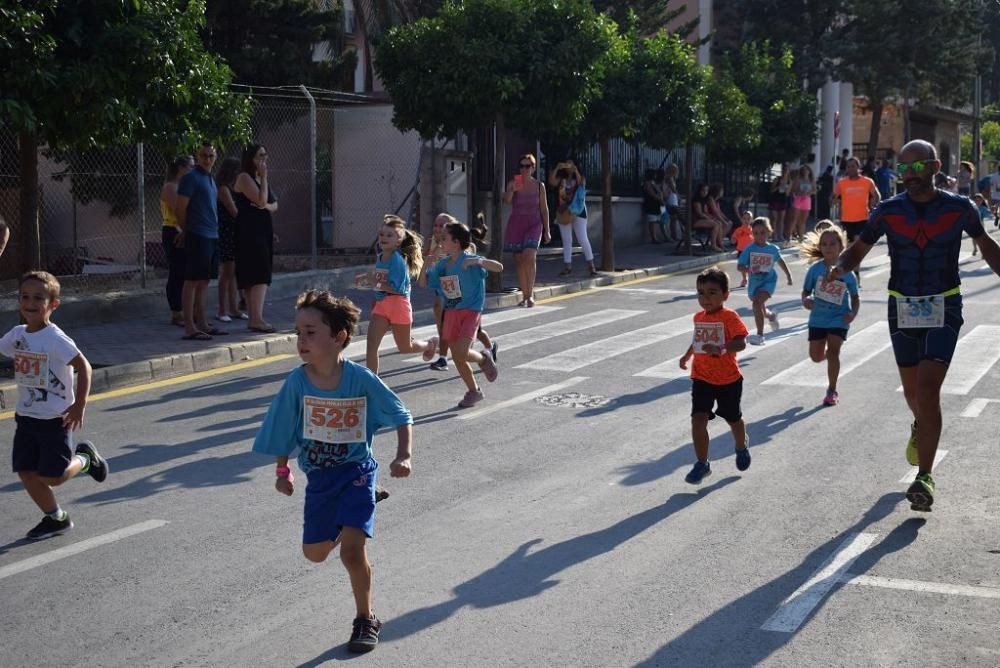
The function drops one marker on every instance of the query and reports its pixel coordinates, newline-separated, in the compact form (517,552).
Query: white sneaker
(756,339)
(773,321)
(223,318)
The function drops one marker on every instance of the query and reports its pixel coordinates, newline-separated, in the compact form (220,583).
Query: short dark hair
(716,276)
(50,282)
(339,313)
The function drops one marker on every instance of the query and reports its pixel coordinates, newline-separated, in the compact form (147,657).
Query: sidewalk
(128,340)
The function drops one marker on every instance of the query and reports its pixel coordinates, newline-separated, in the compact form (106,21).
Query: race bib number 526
(334,420)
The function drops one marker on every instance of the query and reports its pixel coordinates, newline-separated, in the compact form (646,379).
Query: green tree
(891,50)
(733,125)
(653,89)
(651,16)
(788,113)
(106,74)
(532,65)
(989,135)
(272,42)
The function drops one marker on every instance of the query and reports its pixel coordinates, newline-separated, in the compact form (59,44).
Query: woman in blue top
(461,279)
(758,259)
(400,260)
(832,306)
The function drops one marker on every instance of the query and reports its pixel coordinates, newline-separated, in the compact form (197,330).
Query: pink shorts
(802,202)
(460,323)
(394,308)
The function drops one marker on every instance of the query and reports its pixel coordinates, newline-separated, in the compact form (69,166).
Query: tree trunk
(30,241)
(607,218)
(688,193)
(877,107)
(494,282)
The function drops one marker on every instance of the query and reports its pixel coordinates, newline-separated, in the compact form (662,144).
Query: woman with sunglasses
(528,225)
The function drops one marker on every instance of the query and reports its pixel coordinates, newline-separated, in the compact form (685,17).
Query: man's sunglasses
(916,166)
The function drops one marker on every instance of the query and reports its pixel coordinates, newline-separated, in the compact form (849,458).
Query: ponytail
(409,245)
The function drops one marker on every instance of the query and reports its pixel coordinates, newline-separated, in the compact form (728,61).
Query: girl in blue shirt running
(400,260)
(461,278)
(759,259)
(830,316)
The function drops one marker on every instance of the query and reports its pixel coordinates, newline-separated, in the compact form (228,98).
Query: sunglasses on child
(916,166)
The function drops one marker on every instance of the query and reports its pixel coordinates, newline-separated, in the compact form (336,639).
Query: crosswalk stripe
(790,327)
(658,291)
(574,358)
(911,475)
(490,318)
(859,348)
(975,353)
(521,398)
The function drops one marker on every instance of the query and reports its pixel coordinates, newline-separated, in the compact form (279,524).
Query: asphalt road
(551,525)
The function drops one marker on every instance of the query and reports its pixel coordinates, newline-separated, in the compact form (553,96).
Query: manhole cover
(574,400)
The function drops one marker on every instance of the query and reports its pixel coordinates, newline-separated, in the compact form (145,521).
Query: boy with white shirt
(48,407)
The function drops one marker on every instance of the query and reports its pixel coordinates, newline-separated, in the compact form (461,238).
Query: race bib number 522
(334,420)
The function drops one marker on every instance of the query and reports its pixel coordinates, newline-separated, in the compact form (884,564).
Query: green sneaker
(912,455)
(921,493)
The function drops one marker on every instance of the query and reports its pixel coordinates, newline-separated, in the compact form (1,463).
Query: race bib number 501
(334,420)
(31,369)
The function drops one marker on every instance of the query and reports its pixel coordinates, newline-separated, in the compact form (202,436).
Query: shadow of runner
(524,575)
(732,635)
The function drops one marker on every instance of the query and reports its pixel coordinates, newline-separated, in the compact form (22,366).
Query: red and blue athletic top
(924,240)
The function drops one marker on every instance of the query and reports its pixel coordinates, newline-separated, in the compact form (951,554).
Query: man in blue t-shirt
(198,220)
(923,227)
(885,179)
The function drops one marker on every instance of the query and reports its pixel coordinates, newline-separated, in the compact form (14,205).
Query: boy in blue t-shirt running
(329,410)
(759,259)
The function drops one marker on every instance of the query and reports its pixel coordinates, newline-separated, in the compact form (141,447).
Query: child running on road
(329,409)
(461,278)
(48,408)
(433,255)
(830,315)
(716,381)
(984,211)
(759,259)
(743,237)
(399,261)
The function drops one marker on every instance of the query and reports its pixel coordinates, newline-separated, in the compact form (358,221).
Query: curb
(119,376)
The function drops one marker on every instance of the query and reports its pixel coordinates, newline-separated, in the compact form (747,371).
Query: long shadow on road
(525,574)
(731,636)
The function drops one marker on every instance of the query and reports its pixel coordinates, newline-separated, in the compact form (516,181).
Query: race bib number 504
(31,369)
(334,420)
(708,332)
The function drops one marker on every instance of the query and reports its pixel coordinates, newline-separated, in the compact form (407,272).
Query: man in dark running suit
(923,227)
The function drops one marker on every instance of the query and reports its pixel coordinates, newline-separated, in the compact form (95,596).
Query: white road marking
(912,475)
(604,348)
(658,291)
(794,609)
(489,318)
(521,398)
(928,587)
(671,368)
(976,352)
(860,347)
(976,407)
(77,548)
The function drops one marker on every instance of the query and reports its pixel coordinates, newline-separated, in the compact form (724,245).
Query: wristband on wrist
(722,350)
(283,472)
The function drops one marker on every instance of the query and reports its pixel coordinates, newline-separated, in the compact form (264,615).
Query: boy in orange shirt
(716,381)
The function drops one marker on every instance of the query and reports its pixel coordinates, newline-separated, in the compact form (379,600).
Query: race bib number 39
(920,312)
(708,332)
(832,291)
(334,420)
(31,369)
(451,287)
(761,263)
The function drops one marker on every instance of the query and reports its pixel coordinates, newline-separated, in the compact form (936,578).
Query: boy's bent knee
(317,552)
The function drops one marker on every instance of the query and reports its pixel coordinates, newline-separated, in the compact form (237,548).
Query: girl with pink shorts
(461,279)
(399,261)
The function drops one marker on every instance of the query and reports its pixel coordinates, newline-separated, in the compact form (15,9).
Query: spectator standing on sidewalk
(198,221)
(254,234)
(777,203)
(572,213)
(528,225)
(673,203)
(653,206)
(173,248)
(228,296)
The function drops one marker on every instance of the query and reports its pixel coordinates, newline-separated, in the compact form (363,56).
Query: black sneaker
(364,635)
(494,349)
(440,365)
(381,494)
(98,465)
(49,527)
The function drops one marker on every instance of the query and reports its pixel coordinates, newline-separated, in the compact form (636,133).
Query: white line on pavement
(657,291)
(520,399)
(77,548)
(793,610)
(976,407)
(928,587)
(976,352)
(912,475)
(863,346)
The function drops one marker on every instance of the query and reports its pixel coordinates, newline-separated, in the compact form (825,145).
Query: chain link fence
(336,165)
